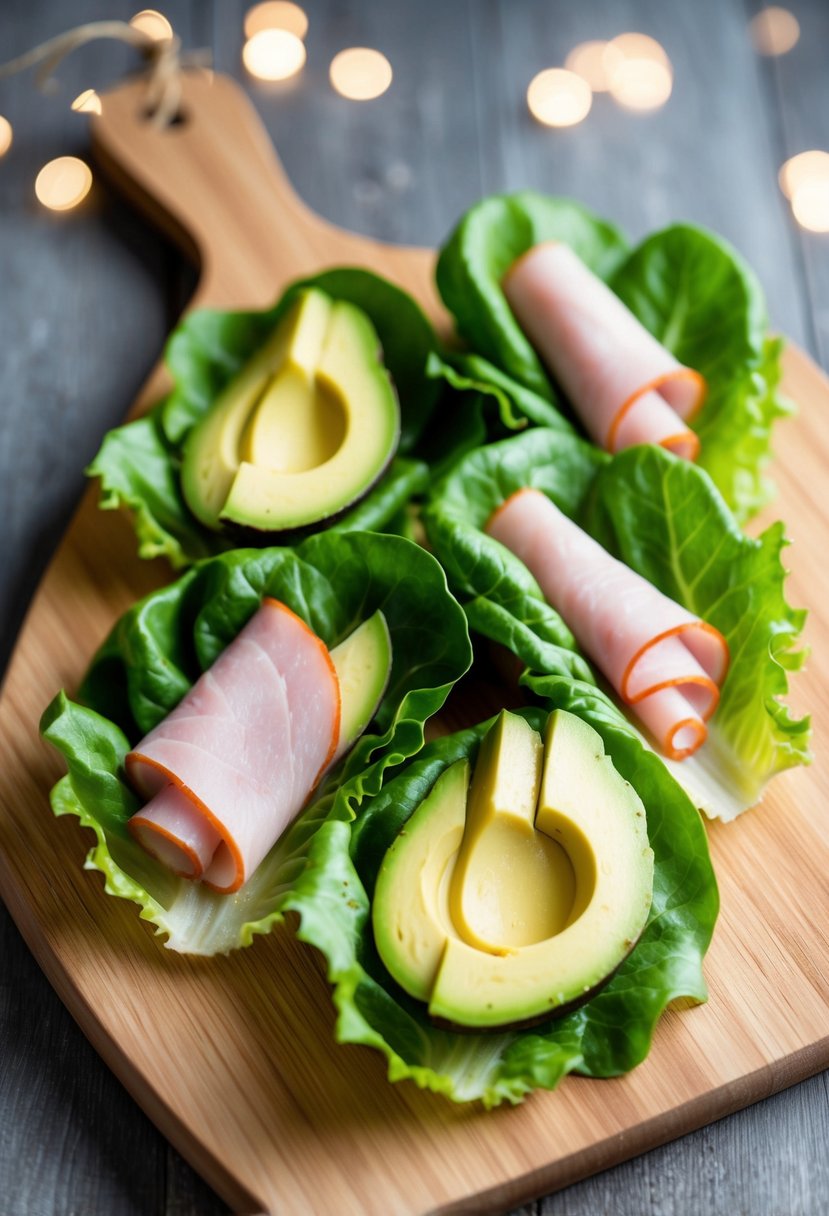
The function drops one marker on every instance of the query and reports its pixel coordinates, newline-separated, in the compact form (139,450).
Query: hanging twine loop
(164,59)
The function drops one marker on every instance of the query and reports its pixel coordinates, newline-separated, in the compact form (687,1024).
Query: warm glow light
(634,46)
(152,23)
(274,54)
(276,15)
(641,84)
(805,167)
(810,204)
(639,71)
(594,62)
(63,183)
(6,135)
(559,98)
(360,74)
(774,31)
(87,102)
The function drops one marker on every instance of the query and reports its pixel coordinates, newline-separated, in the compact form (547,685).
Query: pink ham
(624,385)
(232,765)
(660,658)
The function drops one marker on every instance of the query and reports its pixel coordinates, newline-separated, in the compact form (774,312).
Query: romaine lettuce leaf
(664,518)
(488,239)
(695,293)
(157,650)
(138,464)
(689,288)
(608,1035)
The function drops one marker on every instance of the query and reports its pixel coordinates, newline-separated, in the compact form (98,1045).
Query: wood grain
(427,1155)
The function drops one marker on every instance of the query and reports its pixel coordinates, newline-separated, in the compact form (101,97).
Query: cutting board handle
(214,182)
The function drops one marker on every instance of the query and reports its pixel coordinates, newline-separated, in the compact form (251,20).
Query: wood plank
(71,1138)
(349,1141)
(799,83)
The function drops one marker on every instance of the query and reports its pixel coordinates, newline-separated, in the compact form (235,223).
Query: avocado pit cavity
(302,432)
(516,895)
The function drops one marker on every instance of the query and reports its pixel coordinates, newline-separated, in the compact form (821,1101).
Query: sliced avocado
(492,911)
(538,918)
(363,666)
(303,431)
(410,909)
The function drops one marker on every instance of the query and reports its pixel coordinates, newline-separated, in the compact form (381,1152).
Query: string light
(774,31)
(276,15)
(639,71)
(87,102)
(360,73)
(594,62)
(152,23)
(6,135)
(634,46)
(63,183)
(274,54)
(641,84)
(810,204)
(805,167)
(559,98)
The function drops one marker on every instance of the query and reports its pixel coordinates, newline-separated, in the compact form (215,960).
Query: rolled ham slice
(230,767)
(624,385)
(662,660)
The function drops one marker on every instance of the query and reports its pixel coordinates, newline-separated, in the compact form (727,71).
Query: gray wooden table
(86,300)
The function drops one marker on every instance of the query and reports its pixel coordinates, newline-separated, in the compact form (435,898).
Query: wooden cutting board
(234,1058)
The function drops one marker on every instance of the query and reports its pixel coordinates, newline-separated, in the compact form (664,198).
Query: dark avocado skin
(540,1019)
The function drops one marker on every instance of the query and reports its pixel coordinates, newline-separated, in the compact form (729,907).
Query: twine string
(164,58)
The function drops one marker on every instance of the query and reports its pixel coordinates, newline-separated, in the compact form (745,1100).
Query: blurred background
(391,117)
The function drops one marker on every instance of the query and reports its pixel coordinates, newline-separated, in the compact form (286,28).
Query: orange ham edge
(232,765)
(663,661)
(624,385)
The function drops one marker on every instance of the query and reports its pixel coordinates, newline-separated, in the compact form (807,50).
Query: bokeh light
(6,135)
(87,102)
(360,73)
(641,84)
(634,46)
(559,98)
(639,71)
(774,31)
(810,204)
(594,62)
(805,167)
(152,23)
(276,15)
(274,54)
(63,183)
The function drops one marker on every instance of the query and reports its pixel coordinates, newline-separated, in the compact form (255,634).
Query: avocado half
(304,430)
(515,897)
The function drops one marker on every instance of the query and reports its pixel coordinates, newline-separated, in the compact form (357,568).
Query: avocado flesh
(492,911)
(351,387)
(363,666)
(302,432)
(410,908)
(535,928)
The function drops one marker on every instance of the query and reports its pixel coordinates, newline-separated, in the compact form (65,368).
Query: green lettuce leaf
(138,464)
(607,1036)
(663,518)
(689,288)
(158,649)
(488,239)
(695,293)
